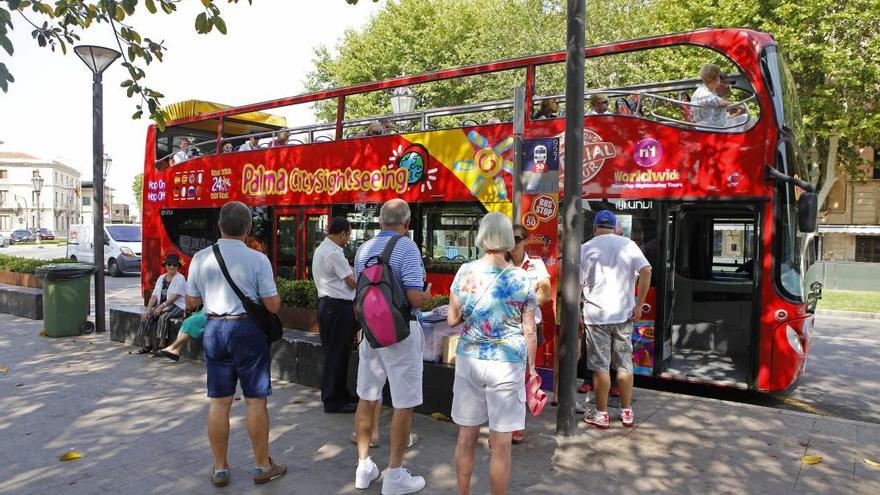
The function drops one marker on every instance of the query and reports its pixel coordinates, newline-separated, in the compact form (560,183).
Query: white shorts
(493,391)
(401,364)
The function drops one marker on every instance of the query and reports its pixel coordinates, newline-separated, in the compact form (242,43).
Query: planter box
(299,318)
(21,279)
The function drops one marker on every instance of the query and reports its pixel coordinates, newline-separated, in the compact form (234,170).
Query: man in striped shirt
(400,364)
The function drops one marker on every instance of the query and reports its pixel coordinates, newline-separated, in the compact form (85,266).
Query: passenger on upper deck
(252,143)
(227,147)
(378,128)
(712,109)
(598,104)
(281,139)
(548,109)
(183,154)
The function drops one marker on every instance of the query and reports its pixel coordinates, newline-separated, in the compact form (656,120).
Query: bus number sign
(530,221)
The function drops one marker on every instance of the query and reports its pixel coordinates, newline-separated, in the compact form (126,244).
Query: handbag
(268,322)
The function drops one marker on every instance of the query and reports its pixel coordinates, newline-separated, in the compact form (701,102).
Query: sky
(265,55)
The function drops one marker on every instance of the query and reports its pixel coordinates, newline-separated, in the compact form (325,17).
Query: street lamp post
(98,59)
(37,181)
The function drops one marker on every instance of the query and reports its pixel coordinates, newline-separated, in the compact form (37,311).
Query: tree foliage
(137,188)
(59,24)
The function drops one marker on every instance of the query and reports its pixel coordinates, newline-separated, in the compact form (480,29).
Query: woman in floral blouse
(496,302)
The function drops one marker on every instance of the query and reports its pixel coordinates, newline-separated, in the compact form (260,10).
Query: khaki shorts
(610,346)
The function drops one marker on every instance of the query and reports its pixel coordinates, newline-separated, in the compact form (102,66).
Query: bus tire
(73,258)
(113,268)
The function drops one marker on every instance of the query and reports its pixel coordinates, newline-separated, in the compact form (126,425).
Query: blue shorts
(237,351)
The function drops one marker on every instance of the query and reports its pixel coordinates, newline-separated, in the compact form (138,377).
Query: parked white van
(122,247)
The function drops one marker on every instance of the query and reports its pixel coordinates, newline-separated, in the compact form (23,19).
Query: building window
(4,195)
(4,174)
(87,201)
(868,248)
(876,171)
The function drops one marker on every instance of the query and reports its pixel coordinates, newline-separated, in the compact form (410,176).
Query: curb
(848,314)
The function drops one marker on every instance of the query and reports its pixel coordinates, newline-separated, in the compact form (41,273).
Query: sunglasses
(518,239)
(173,264)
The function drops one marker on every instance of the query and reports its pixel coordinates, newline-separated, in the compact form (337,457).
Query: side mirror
(106,241)
(807,211)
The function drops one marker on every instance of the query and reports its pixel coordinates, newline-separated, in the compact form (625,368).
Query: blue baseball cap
(605,219)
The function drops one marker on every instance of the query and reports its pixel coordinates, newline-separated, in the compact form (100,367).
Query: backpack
(379,303)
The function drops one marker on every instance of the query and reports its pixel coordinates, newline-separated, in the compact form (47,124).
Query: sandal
(145,350)
(354,440)
(220,477)
(166,354)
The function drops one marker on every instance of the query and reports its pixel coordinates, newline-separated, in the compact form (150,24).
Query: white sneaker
(367,472)
(401,482)
(580,407)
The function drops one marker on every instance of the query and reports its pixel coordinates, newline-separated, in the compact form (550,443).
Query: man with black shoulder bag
(237,287)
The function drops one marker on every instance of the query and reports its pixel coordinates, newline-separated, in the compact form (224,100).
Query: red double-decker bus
(718,198)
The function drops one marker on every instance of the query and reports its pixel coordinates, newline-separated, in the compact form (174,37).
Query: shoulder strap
(486,289)
(389,248)
(241,296)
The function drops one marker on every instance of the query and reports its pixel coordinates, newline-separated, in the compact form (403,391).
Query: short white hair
(495,233)
(394,212)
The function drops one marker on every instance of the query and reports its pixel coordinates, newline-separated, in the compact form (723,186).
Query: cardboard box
(450,343)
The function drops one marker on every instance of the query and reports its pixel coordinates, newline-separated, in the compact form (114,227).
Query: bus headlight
(794,340)
(126,251)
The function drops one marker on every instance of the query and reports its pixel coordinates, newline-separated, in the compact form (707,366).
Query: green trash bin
(65,298)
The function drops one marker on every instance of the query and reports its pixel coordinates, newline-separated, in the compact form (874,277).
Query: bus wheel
(113,268)
(73,258)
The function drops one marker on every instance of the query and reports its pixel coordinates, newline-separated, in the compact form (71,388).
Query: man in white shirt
(610,264)
(182,154)
(236,348)
(334,278)
(252,143)
(712,110)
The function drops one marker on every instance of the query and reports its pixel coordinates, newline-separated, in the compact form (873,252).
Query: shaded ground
(140,424)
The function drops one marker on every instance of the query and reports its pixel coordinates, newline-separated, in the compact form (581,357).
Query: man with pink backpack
(391,286)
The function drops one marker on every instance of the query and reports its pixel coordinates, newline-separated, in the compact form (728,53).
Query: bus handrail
(650,106)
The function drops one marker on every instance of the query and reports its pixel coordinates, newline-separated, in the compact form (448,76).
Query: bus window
(450,234)
(654,84)
(364,220)
(733,246)
(191,229)
(178,144)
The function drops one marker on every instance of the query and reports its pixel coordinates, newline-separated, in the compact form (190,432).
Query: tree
(58,24)
(137,188)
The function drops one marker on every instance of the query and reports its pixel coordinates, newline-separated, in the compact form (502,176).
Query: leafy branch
(59,24)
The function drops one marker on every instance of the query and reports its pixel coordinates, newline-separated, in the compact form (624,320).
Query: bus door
(709,293)
(299,231)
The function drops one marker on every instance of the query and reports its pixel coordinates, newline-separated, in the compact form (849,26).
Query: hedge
(25,265)
(297,293)
(304,294)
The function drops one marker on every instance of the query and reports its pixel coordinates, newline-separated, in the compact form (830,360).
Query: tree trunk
(829,173)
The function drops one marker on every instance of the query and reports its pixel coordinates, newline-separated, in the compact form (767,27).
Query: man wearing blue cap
(610,265)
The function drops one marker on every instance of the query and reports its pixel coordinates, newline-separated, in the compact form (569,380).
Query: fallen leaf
(19,384)
(440,416)
(42,334)
(297,401)
(811,459)
(872,463)
(4,370)
(69,456)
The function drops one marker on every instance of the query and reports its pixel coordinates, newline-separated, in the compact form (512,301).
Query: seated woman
(167,302)
(548,109)
(192,328)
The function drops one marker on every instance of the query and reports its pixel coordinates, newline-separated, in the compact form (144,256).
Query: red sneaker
(614,392)
(585,388)
(517,437)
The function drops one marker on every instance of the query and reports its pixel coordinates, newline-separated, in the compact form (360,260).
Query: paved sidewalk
(139,423)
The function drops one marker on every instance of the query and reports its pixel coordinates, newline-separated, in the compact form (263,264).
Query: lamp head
(97,58)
